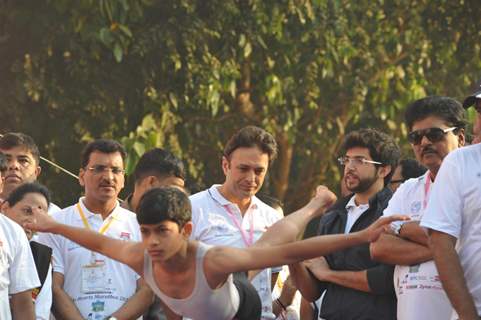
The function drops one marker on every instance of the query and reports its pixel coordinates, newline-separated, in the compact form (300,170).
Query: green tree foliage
(186,74)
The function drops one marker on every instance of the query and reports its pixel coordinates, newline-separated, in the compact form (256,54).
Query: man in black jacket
(357,287)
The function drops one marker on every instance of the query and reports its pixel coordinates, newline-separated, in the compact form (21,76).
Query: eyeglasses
(433,134)
(99,169)
(357,161)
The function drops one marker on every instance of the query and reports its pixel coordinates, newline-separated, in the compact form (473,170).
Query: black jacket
(344,303)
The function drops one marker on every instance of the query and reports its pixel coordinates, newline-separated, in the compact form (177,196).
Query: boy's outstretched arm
(127,252)
(287,229)
(225,260)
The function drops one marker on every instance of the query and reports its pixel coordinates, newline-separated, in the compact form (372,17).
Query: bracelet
(278,300)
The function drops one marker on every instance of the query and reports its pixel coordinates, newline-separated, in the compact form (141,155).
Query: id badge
(94,278)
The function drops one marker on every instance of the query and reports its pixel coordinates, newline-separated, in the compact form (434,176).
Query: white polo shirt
(17,268)
(214,225)
(419,291)
(455,208)
(69,258)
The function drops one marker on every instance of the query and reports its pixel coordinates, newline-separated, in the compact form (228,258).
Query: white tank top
(203,303)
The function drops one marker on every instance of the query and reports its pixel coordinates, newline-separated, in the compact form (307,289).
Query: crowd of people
(401,242)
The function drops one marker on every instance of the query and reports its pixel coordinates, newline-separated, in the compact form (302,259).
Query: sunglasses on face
(433,135)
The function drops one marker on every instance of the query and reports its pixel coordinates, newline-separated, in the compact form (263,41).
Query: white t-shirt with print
(213,225)
(455,208)
(418,288)
(70,258)
(17,268)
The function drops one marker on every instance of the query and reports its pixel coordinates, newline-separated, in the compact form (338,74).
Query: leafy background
(185,75)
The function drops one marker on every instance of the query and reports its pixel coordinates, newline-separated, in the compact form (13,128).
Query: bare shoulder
(134,256)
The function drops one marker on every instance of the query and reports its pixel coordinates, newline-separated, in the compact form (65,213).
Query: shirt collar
(352,204)
(89,214)
(219,198)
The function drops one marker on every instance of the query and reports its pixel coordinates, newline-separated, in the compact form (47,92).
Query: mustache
(428,149)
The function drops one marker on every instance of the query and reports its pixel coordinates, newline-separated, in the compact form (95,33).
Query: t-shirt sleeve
(445,205)
(22,272)
(395,205)
(54,241)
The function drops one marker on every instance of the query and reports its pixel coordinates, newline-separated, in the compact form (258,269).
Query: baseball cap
(471,99)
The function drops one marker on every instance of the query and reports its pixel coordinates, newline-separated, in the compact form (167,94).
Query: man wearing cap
(475,99)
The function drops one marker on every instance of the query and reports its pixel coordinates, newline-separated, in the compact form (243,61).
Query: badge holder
(94,276)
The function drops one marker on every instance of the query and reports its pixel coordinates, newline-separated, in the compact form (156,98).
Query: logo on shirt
(415,206)
(98,306)
(125,236)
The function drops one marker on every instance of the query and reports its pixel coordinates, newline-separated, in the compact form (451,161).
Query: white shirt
(17,268)
(419,291)
(214,225)
(43,302)
(353,213)
(69,259)
(454,208)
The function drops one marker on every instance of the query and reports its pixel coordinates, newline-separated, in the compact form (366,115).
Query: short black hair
(19,193)
(104,146)
(382,147)
(3,162)
(160,163)
(164,204)
(252,136)
(411,168)
(446,108)
(17,139)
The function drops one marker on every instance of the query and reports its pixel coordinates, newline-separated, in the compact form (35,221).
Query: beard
(363,185)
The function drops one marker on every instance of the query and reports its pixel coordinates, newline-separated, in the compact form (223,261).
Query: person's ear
(4,207)
(187,229)
(81,174)
(225,165)
(151,181)
(38,169)
(384,171)
(461,138)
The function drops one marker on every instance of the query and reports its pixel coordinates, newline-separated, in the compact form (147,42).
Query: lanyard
(427,186)
(86,223)
(248,241)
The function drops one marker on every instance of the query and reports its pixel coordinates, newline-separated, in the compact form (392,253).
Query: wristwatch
(397,228)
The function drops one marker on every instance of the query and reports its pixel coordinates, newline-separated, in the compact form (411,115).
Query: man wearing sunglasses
(355,286)
(436,126)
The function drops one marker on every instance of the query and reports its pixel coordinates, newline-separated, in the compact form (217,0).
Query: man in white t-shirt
(20,206)
(453,216)
(23,163)
(436,127)
(88,285)
(230,214)
(17,272)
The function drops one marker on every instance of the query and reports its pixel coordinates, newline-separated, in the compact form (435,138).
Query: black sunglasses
(433,134)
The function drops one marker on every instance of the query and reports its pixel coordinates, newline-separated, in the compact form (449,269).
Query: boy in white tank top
(195,280)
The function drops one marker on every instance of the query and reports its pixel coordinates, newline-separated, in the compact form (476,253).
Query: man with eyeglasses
(87,285)
(407,169)
(355,286)
(23,163)
(436,127)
